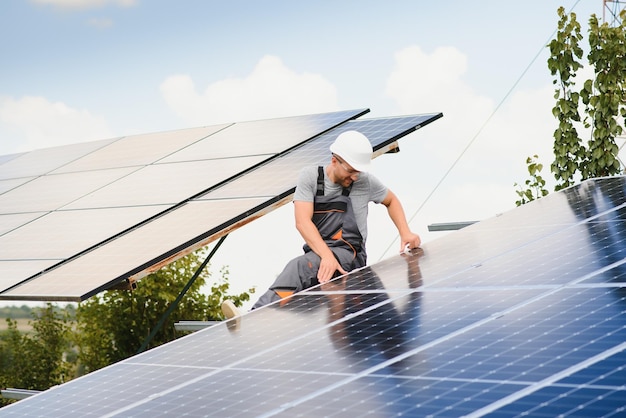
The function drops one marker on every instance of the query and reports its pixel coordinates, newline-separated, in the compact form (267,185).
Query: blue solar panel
(520,315)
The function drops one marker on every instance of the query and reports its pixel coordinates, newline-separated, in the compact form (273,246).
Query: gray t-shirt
(366,189)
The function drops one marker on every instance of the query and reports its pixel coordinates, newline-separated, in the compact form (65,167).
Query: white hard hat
(354,148)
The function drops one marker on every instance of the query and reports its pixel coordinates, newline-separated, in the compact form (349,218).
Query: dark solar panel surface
(520,315)
(76,220)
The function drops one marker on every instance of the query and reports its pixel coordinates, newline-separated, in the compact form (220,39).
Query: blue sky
(77,70)
(109,59)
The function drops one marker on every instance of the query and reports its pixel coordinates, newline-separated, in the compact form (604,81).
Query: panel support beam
(180,296)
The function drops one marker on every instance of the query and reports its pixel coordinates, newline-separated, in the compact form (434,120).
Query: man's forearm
(397,215)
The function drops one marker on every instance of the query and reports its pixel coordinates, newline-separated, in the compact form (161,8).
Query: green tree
(601,100)
(40,359)
(114,325)
(565,53)
(604,98)
(108,327)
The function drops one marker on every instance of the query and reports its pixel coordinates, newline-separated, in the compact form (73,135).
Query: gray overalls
(334,218)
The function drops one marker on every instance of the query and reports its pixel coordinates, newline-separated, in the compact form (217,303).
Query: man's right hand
(328,266)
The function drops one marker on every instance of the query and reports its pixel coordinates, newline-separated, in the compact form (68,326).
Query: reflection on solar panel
(76,220)
(520,315)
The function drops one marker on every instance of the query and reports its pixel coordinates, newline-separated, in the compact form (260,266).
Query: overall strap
(320,181)
(320,184)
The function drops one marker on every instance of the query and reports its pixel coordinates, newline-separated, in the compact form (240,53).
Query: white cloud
(270,90)
(521,127)
(84,4)
(420,82)
(35,122)
(423,82)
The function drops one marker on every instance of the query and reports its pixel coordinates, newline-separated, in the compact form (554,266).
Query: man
(330,205)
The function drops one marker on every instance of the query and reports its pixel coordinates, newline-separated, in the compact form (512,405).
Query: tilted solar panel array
(523,314)
(76,220)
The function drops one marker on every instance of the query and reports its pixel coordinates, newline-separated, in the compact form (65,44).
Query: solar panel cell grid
(559,401)
(139,150)
(608,372)
(164,183)
(21,268)
(11,221)
(279,175)
(41,162)
(6,185)
(52,192)
(70,231)
(107,264)
(261,137)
